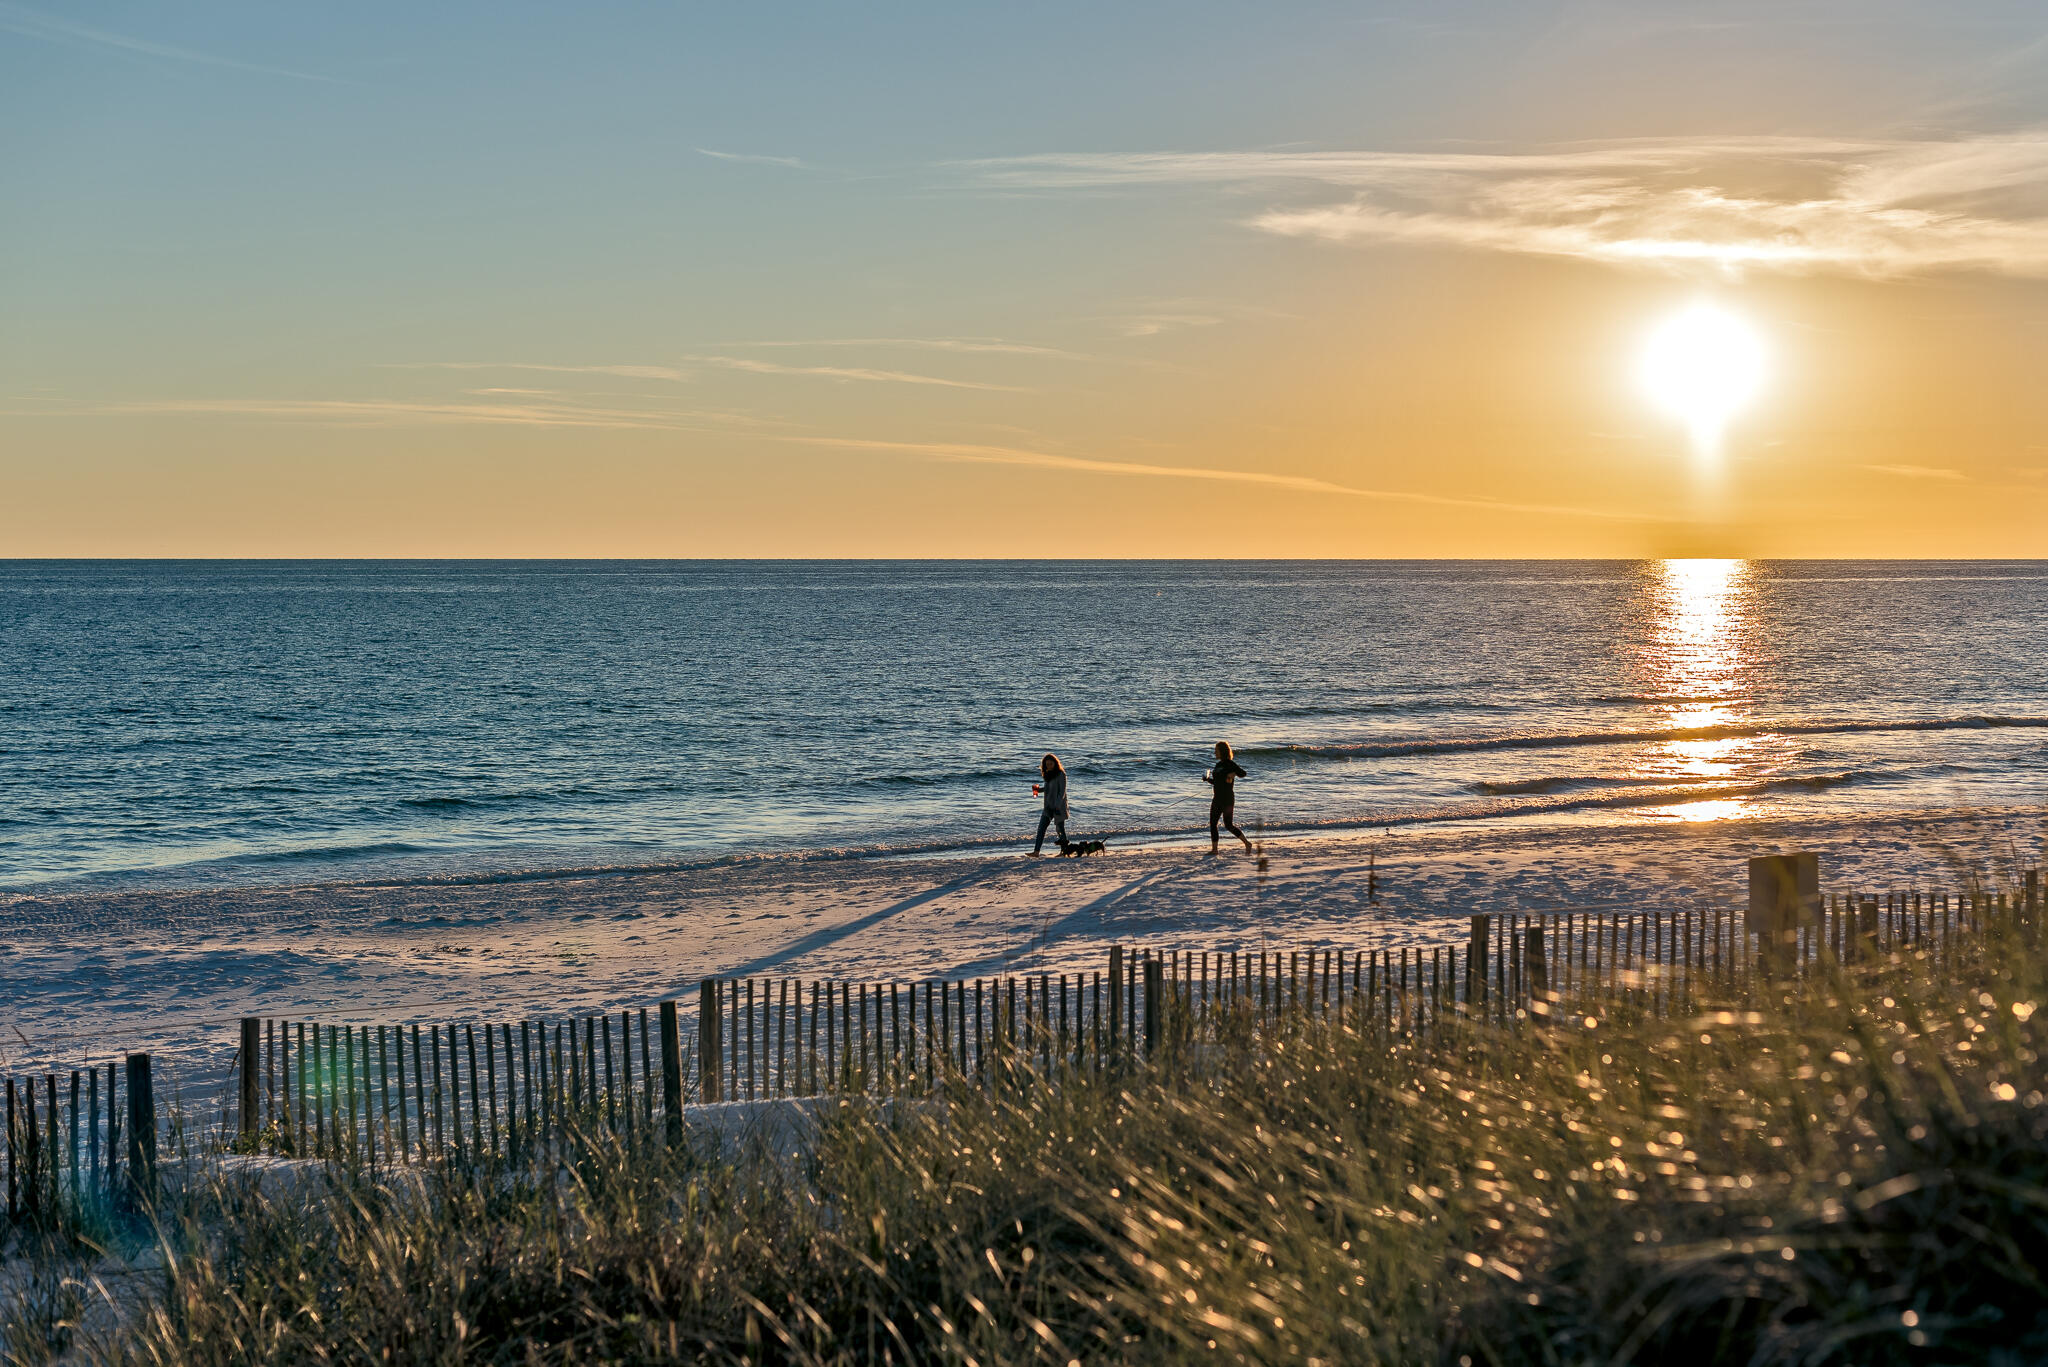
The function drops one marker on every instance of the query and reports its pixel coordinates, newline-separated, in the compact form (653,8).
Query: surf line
(1564,740)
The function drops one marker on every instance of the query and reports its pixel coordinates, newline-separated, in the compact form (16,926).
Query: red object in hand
(1035,790)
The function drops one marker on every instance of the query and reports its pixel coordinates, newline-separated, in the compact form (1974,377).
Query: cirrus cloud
(1870,207)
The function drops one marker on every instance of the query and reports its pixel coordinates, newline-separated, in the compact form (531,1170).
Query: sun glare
(1703,366)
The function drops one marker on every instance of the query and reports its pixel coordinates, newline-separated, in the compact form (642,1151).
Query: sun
(1702,366)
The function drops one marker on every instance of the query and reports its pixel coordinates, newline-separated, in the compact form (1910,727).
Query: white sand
(85,977)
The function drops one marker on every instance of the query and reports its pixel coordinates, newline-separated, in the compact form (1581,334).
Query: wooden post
(897,1047)
(646,1073)
(141,1132)
(113,1129)
(672,1062)
(748,1038)
(512,1130)
(252,1049)
(980,1033)
(782,1039)
(440,1122)
(544,1081)
(369,1101)
(348,1044)
(810,1077)
(530,1136)
(611,1091)
(707,1042)
(832,1037)
(384,1087)
(1784,894)
(1475,959)
(1155,998)
(590,1070)
(479,1143)
(31,1156)
(1500,966)
(1116,995)
(92,1125)
(1538,962)
(491,1144)
(625,1069)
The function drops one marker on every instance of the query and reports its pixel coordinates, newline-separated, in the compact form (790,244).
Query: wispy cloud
(994,345)
(1918,471)
(746,364)
(965,453)
(397,413)
(32,23)
(626,372)
(411,413)
(792,162)
(1153,324)
(753,366)
(1872,207)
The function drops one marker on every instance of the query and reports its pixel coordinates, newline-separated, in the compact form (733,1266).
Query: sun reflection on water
(1695,667)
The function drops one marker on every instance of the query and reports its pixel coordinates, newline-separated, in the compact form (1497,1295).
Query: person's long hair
(1223,750)
(1049,766)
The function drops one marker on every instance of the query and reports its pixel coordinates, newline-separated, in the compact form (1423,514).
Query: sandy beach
(87,976)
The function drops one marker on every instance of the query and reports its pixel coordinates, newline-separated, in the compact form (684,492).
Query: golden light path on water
(1697,660)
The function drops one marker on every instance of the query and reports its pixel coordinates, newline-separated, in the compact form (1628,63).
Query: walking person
(1223,800)
(1053,785)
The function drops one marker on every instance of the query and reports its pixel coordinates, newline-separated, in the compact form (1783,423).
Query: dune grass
(1847,1168)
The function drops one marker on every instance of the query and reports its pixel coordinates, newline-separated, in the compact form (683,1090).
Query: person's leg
(1230,820)
(1215,815)
(1046,818)
(1059,820)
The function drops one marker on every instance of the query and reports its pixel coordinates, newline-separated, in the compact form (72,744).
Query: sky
(1200,280)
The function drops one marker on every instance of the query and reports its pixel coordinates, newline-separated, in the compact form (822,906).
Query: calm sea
(180,722)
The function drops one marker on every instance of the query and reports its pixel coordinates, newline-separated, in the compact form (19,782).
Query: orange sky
(1311,289)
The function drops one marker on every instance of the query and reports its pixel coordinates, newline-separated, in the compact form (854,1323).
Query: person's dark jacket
(1223,778)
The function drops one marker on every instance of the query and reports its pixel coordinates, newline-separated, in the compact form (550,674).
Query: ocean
(217,723)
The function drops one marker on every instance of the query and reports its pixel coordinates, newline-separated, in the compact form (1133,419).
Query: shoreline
(91,974)
(1615,810)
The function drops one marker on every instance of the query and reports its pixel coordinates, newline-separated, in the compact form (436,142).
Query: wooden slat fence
(542,1089)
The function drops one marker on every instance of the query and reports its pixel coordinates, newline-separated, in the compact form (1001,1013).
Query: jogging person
(1223,800)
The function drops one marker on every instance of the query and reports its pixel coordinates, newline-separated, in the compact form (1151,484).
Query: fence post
(1116,996)
(1475,961)
(1539,965)
(1866,928)
(1784,894)
(141,1131)
(672,1063)
(710,1055)
(1155,993)
(252,1046)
